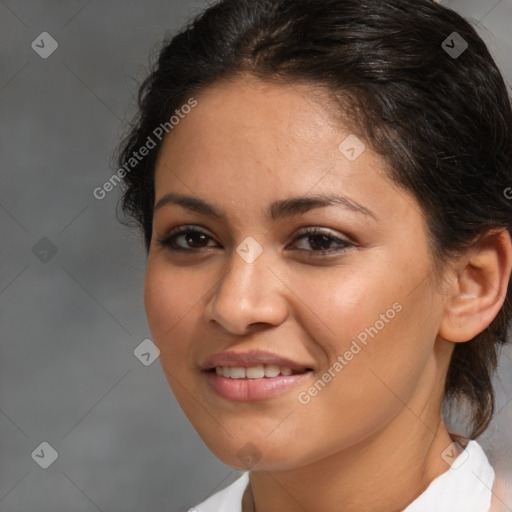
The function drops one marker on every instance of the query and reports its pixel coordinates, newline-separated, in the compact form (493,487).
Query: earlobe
(478,288)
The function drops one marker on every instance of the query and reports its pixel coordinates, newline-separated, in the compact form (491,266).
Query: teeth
(254,372)
(272,370)
(237,373)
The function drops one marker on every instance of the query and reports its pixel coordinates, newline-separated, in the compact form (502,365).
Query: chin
(250,453)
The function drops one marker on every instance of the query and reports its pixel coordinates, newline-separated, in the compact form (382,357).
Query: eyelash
(169,241)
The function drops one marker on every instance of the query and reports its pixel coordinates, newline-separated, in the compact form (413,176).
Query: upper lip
(251,358)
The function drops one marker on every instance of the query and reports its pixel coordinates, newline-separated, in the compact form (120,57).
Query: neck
(386,471)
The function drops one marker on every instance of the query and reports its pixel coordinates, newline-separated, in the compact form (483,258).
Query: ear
(478,287)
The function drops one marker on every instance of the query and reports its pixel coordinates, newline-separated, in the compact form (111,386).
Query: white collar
(465,487)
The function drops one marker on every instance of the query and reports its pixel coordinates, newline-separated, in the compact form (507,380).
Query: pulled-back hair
(441,119)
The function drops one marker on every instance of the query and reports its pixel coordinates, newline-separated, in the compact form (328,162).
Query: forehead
(243,124)
(248,142)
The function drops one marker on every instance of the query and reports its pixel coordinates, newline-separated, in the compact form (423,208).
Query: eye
(321,242)
(186,239)
(315,241)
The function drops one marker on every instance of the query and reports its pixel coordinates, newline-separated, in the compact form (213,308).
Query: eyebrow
(281,209)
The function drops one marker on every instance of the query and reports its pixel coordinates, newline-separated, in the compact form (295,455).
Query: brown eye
(195,239)
(186,239)
(319,242)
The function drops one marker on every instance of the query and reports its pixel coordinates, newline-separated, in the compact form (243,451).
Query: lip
(247,390)
(251,358)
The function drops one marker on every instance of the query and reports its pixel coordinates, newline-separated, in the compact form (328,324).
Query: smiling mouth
(256,372)
(254,383)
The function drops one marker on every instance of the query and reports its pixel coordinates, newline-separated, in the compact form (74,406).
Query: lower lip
(248,390)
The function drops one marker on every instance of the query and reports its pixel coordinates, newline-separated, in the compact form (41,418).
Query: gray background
(69,326)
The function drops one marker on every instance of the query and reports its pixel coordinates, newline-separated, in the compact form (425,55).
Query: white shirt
(464,487)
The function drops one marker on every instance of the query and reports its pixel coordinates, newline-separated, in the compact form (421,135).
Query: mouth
(256,364)
(268,371)
(253,376)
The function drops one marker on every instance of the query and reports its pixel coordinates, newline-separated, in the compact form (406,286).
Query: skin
(372,439)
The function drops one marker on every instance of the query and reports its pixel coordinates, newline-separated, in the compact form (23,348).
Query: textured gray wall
(70,321)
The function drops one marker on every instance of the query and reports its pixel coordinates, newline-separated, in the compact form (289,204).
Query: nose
(247,296)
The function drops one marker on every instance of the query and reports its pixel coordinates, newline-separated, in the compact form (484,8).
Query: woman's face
(339,289)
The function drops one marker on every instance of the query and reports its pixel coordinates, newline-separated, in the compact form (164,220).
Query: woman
(321,189)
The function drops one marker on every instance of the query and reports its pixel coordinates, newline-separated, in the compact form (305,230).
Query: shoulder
(228,499)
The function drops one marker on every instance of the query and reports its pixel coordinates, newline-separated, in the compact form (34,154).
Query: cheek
(172,307)
(169,299)
(340,304)
(383,333)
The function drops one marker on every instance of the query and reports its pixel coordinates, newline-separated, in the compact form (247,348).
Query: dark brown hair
(441,119)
